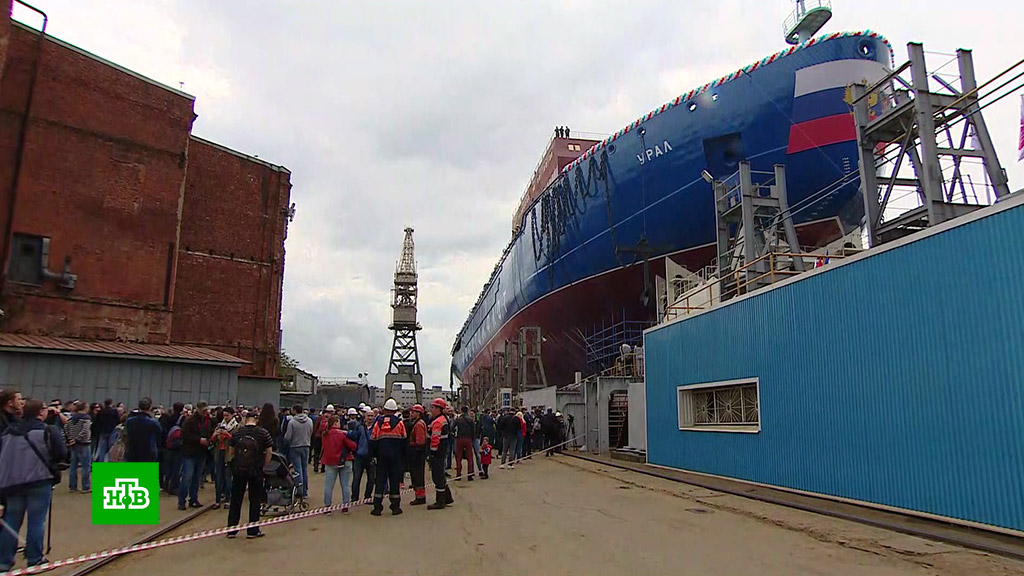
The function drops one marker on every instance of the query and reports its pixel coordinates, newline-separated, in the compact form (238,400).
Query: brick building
(119,224)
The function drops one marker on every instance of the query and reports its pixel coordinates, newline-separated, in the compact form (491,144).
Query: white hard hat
(353,412)
(362,405)
(391,405)
(558,413)
(367,409)
(330,408)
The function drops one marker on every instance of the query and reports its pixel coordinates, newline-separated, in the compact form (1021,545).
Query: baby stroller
(283,488)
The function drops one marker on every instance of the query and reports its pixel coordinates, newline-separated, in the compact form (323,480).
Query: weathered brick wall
(154,220)
(231,263)
(5,30)
(102,174)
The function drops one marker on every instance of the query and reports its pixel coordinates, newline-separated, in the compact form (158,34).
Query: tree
(286,367)
(286,371)
(286,362)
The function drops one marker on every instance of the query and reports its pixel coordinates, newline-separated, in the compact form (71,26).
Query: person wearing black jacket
(499,425)
(194,446)
(509,427)
(170,460)
(549,426)
(487,426)
(465,431)
(11,404)
(105,422)
(142,434)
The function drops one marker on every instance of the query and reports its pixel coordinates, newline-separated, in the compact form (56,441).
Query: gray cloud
(434,114)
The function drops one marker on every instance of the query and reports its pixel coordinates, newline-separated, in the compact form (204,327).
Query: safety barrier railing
(768,269)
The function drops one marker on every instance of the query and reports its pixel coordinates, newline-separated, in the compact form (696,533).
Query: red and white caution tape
(112,552)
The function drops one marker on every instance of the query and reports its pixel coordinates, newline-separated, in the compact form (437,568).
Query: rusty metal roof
(47,344)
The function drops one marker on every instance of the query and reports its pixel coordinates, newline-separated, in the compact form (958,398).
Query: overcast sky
(433,114)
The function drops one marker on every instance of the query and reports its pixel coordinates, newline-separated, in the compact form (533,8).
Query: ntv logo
(125,494)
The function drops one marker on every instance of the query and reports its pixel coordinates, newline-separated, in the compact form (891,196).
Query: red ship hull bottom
(564,316)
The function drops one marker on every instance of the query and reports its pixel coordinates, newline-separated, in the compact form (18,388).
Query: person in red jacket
(439,431)
(319,430)
(417,453)
(485,458)
(337,456)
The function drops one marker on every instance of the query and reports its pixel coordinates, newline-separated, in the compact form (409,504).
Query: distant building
(406,396)
(298,381)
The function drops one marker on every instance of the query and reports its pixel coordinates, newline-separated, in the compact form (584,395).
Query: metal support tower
(405,361)
(531,365)
(900,114)
(753,220)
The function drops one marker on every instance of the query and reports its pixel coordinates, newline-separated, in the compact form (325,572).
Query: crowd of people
(229,447)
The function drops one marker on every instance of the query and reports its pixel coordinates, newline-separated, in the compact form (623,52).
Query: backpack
(174,438)
(246,456)
(117,452)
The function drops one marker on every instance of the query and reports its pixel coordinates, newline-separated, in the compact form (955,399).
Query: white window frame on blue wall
(731,407)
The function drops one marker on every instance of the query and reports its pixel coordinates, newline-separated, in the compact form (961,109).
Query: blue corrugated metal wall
(897,379)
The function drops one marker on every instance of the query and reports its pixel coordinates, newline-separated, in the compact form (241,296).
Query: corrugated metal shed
(896,378)
(46,368)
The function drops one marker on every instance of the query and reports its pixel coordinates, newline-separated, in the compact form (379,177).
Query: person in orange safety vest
(387,444)
(418,454)
(439,431)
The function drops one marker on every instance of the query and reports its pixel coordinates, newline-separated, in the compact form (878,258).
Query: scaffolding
(603,342)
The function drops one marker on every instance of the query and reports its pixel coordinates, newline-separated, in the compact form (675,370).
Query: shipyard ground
(550,515)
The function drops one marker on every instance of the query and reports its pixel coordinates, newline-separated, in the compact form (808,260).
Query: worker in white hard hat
(387,443)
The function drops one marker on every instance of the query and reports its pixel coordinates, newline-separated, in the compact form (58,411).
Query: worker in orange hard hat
(439,431)
(417,453)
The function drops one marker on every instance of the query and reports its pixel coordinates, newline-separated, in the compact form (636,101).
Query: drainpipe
(20,155)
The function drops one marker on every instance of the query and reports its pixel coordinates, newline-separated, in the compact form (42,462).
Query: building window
(730,406)
(26,265)
(574,147)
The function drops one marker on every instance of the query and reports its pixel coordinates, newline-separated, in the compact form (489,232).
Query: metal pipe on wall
(20,154)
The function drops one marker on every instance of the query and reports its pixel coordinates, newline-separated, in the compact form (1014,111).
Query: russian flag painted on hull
(821,115)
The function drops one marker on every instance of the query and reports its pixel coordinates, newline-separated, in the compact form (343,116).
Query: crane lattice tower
(405,361)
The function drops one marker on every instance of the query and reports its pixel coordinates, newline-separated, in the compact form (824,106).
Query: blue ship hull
(566,266)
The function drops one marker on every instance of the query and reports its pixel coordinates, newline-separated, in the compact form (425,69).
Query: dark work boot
(396,505)
(448,496)
(440,503)
(378,506)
